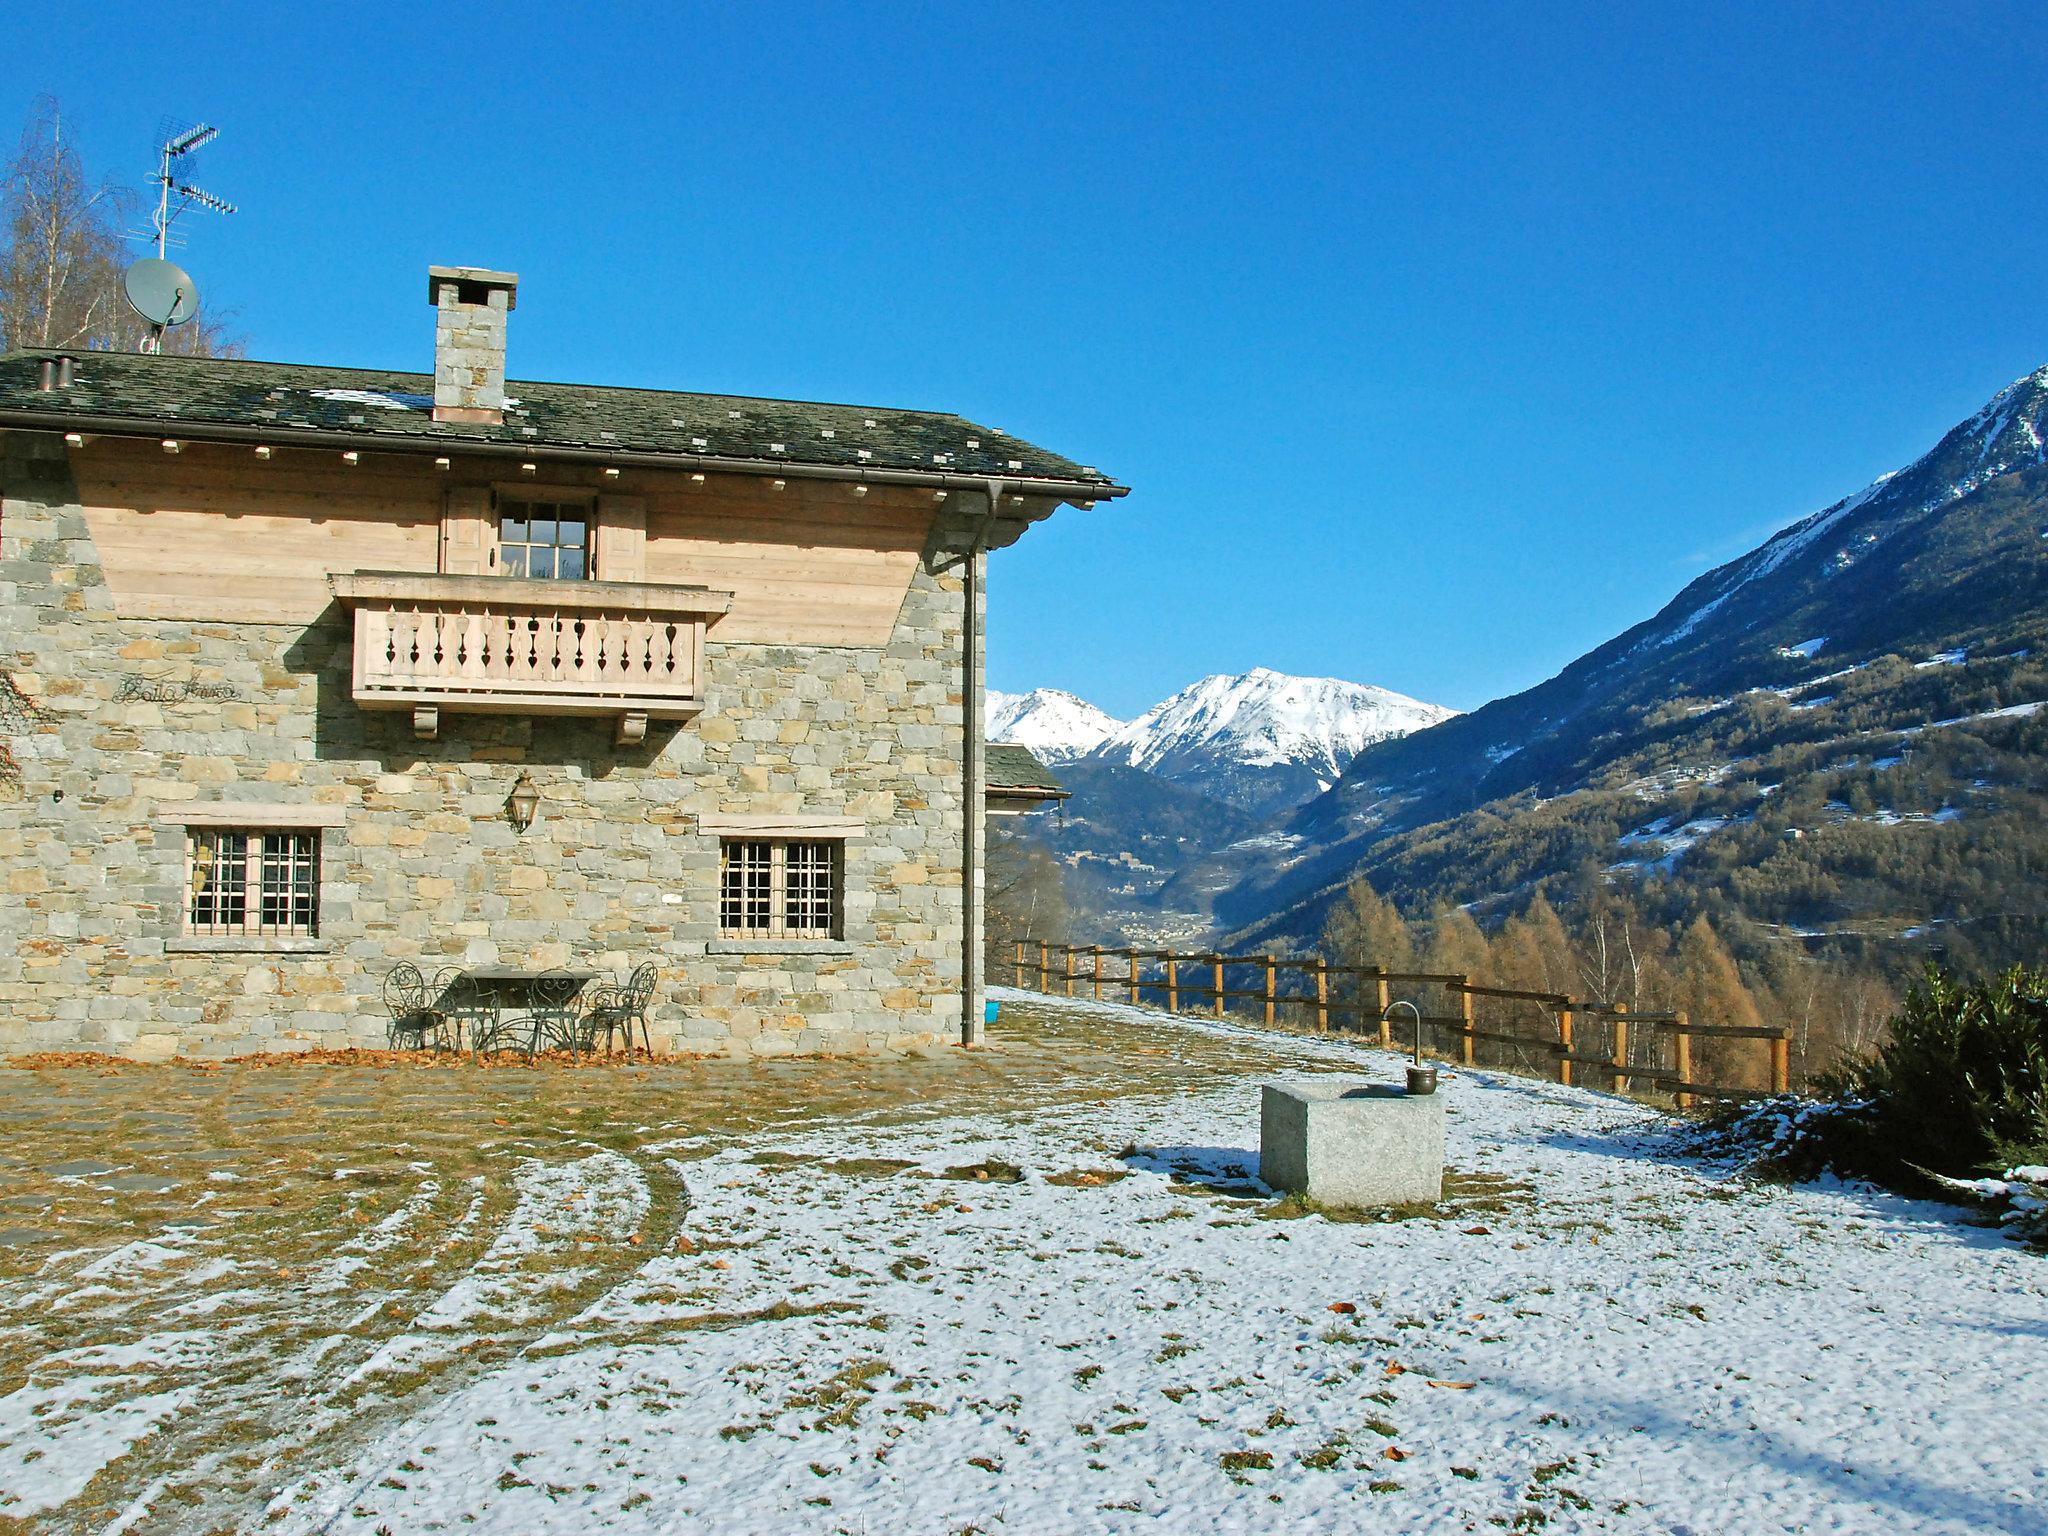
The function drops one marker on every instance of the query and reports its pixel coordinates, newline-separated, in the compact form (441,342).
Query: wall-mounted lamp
(523,804)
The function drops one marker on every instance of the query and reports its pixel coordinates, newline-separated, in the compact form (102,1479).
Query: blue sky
(1438,343)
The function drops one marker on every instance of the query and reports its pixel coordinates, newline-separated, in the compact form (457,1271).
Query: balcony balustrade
(502,645)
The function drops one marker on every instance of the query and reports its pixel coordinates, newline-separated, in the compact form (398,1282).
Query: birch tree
(63,249)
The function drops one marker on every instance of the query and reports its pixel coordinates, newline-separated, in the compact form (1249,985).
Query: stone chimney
(470,305)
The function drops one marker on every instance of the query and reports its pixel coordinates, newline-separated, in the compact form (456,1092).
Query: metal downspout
(974,827)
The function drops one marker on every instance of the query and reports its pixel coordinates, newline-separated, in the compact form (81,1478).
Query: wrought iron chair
(416,1020)
(614,1010)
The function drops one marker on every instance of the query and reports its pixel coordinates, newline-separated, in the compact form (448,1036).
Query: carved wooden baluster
(476,645)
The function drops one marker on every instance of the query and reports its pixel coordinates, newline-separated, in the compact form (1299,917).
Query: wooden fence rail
(1638,1051)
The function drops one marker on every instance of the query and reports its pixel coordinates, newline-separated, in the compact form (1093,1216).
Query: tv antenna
(157,289)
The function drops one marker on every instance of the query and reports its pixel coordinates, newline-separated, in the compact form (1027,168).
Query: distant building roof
(1013,775)
(198,397)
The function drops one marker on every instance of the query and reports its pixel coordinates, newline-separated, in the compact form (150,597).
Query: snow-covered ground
(1091,1318)
(1634,1343)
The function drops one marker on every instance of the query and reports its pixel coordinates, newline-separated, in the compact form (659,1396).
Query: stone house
(308,671)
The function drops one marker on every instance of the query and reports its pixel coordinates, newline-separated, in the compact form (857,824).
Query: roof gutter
(316,437)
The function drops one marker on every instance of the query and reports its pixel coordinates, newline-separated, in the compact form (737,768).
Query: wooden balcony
(501,645)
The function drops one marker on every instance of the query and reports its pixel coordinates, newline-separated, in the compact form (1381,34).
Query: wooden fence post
(1069,951)
(1097,949)
(1781,1064)
(1469,1053)
(1172,982)
(1683,1041)
(1271,975)
(1564,1038)
(1219,986)
(1381,988)
(1322,996)
(1020,963)
(1621,1072)
(1044,966)
(1131,967)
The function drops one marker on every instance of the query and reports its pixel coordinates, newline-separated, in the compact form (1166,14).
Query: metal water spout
(1421,1078)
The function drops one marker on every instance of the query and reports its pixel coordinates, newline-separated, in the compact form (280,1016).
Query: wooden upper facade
(536,548)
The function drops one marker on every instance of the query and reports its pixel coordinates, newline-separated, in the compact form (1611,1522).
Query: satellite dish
(161,292)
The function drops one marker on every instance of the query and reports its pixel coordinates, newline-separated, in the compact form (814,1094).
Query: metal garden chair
(417,1022)
(614,1010)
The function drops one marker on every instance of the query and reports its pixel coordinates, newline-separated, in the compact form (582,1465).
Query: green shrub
(1960,1088)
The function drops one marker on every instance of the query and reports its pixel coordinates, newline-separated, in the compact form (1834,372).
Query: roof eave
(290,436)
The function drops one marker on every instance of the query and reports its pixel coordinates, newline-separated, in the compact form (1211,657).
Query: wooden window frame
(556,497)
(771,854)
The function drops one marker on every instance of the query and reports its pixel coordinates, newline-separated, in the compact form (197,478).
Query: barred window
(773,888)
(253,884)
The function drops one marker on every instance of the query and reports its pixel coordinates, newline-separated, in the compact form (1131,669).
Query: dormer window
(548,540)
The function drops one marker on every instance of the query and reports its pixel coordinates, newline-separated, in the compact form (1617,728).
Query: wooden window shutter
(467,536)
(621,538)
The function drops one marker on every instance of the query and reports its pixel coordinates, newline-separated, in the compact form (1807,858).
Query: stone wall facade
(120,722)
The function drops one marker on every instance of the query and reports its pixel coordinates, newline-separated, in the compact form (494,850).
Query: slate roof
(1011,769)
(165,394)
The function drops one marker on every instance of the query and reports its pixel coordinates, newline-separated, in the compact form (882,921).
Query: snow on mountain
(1056,726)
(2006,435)
(1267,719)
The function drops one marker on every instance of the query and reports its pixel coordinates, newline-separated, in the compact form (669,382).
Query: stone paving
(270,1259)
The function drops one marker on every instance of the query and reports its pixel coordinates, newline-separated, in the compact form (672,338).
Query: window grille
(545,539)
(778,889)
(253,884)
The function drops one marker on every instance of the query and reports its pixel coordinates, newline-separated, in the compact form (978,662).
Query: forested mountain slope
(1835,734)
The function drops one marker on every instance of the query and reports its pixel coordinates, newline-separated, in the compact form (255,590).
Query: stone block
(1352,1144)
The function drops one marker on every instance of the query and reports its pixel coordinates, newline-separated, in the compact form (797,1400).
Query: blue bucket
(988,1012)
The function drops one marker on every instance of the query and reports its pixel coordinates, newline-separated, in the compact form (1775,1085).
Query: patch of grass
(1245,1461)
(841,1394)
(1326,1455)
(988,1171)
(1465,1194)
(869,1167)
(1087,1178)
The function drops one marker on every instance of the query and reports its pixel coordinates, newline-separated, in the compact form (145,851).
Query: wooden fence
(1605,1044)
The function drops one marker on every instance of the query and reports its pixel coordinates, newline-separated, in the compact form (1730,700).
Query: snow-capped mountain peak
(1266,719)
(1056,726)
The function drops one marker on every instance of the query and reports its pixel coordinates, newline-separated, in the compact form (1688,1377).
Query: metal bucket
(1421,1080)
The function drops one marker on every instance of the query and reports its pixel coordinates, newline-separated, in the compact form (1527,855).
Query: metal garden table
(525,1008)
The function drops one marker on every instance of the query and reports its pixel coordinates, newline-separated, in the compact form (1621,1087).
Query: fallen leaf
(1347,1308)
(963,1209)
(684,1245)
(1455,1386)
(501,1122)
(720,1264)
(634,1239)
(1478,1232)
(1395,1368)
(1394,1453)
